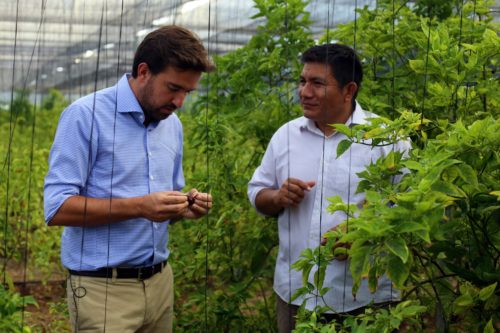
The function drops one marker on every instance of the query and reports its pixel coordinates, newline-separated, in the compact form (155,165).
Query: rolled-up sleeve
(70,159)
(264,176)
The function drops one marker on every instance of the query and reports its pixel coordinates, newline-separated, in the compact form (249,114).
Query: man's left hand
(199,204)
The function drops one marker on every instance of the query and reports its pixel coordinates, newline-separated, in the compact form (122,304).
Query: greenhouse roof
(56,44)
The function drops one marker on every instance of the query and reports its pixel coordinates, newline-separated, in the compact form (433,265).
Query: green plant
(228,128)
(28,133)
(436,233)
(11,311)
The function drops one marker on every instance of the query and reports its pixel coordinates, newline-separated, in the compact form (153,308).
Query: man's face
(321,97)
(161,94)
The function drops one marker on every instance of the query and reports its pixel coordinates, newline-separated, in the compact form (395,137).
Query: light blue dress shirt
(300,150)
(101,150)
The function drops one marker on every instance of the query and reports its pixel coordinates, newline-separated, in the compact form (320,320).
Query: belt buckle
(144,273)
(139,274)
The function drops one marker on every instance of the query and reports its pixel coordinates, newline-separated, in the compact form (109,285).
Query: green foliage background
(430,71)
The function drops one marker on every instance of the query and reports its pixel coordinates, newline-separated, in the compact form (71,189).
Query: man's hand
(272,201)
(292,192)
(162,206)
(339,249)
(198,204)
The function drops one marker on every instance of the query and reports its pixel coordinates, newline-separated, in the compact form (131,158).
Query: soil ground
(50,313)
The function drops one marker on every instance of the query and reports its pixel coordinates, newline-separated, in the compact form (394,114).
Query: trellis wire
(207,135)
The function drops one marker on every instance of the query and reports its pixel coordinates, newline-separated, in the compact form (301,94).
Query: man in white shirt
(300,170)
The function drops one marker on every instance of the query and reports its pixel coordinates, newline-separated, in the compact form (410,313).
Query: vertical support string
(9,149)
(354,46)
(323,147)
(207,132)
(30,172)
(113,160)
(289,224)
(89,163)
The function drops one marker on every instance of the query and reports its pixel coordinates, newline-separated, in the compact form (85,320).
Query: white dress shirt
(300,150)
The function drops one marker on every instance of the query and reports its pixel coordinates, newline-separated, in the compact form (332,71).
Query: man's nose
(305,90)
(179,99)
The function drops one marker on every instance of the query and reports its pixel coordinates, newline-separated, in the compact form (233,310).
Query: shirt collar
(358,117)
(126,99)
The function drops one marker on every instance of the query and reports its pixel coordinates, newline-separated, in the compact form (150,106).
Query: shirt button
(149,154)
(151,177)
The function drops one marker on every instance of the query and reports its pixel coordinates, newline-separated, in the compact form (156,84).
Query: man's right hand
(292,192)
(162,206)
(272,201)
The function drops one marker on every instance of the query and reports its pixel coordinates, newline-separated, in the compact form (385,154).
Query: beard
(153,112)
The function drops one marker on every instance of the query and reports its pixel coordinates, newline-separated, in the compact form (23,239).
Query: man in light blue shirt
(289,182)
(114,181)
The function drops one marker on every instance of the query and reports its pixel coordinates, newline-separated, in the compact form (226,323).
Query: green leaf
(336,205)
(373,133)
(468,174)
(319,277)
(344,129)
(496,193)
(360,256)
(486,292)
(343,146)
(489,327)
(397,271)
(464,300)
(418,66)
(398,246)
(413,165)
(413,310)
(404,226)
(448,188)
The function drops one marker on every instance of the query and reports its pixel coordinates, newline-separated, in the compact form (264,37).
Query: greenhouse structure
(250,166)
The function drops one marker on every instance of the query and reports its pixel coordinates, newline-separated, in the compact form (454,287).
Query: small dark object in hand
(190,200)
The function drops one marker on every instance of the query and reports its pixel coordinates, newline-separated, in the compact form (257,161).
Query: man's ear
(350,90)
(142,71)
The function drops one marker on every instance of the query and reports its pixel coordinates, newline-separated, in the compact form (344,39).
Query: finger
(286,202)
(296,198)
(174,198)
(293,192)
(174,208)
(297,186)
(304,186)
(198,210)
(174,193)
(202,204)
(203,197)
(311,184)
(193,192)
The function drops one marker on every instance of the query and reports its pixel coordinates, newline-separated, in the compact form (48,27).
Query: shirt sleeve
(265,175)
(71,158)
(178,180)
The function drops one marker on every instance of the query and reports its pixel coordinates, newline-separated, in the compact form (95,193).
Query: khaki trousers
(122,305)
